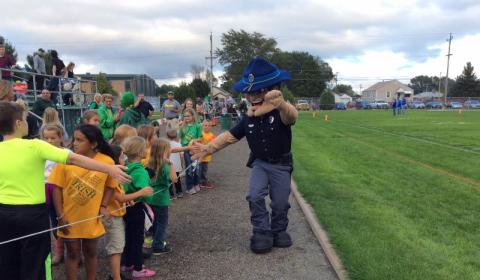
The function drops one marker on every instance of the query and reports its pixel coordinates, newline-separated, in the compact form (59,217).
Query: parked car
(302,105)
(417,105)
(434,105)
(363,105)
(455,105)
(379,104)
(472,104)
(340,106)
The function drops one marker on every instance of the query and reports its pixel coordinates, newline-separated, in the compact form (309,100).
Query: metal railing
(77,95)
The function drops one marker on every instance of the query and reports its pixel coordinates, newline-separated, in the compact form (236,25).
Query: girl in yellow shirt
(80,194)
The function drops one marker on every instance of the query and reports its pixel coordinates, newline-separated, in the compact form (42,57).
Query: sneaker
(126,268)
(282,240)
(180,195)
(261,243)
(173,197)
(191,191)
(147,253)
(165,250)
(203,186)
(197,188)
(143,273)
(209,185)
(147,242)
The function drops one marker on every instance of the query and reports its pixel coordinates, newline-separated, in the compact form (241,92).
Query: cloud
(360,39)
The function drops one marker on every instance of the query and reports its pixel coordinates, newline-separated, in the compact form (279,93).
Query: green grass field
(399,197)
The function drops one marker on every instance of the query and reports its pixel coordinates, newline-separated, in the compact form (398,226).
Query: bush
(327,101)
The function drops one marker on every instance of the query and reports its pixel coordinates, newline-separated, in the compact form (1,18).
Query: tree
(238,48)
(309,73)
(104,85)
(197,71)
(163,89)
(9,48)
(327,101)
(201,87)
(183,92)
(347,89)
(287,94)
(423,83)
(48,62)
(467,84)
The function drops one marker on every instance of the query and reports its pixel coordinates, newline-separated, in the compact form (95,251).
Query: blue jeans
(159,226)
(191,175)
(273,180)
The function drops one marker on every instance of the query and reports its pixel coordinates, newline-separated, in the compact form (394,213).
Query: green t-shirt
(139,176)
(161,187)
(22,167)
(190,132)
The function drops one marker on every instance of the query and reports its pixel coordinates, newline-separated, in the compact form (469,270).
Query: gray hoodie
(39,64)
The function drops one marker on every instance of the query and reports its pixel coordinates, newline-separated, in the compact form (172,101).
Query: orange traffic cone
(314,114)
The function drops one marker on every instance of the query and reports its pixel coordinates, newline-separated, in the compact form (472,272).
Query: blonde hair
(121,133)
(172,134)
(5,88)
(97,95)
(50,116)
(88,115)
(192,112)
(146,131)
(134,147)
(53,127)
(159,155)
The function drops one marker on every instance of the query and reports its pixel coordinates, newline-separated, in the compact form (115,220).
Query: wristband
(104,206)
(60,217)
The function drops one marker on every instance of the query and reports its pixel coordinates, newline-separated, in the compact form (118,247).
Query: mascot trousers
(273,180)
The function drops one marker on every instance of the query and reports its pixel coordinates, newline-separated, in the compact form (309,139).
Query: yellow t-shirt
(22,163)
(206,138)
(82,195)
(147,157)
(114,204)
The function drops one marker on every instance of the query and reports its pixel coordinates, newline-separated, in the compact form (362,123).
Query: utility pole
(448,65)
(439,83)
(211,57)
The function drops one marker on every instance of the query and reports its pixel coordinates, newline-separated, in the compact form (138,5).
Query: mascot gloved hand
(272,100)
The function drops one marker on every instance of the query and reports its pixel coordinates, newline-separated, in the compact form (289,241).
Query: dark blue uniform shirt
(268,137)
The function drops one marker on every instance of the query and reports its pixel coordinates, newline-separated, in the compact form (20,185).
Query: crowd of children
(76,194)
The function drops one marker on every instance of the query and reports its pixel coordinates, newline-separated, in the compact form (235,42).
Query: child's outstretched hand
(116,171)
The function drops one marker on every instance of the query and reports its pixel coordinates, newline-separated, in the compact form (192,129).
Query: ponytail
(94,135)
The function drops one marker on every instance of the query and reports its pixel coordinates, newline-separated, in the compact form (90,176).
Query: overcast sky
(364,41)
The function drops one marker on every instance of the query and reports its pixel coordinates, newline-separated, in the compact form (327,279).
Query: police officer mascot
(267,128)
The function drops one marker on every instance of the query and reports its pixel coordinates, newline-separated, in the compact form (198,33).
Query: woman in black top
(57,70)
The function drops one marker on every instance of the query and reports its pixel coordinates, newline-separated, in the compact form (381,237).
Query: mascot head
(260,77)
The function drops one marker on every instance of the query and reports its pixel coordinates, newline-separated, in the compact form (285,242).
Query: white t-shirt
(175,157)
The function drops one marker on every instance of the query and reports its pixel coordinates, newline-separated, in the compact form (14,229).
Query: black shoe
(282,239)
(261,243)
(146,253)
(165,250)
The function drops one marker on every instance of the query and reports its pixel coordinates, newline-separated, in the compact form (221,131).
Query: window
(388,94)
(128,86)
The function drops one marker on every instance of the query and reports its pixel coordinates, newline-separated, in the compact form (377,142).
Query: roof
(219,91)
(116,76)
(383,84)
